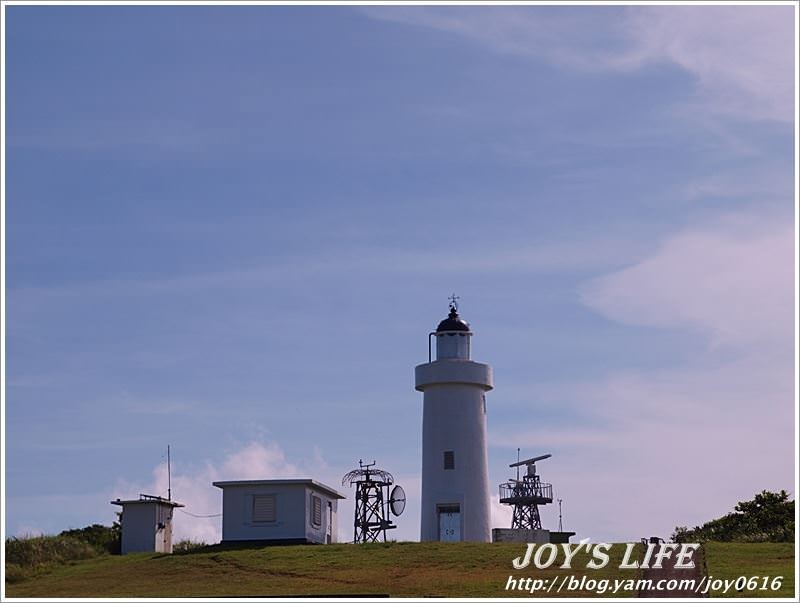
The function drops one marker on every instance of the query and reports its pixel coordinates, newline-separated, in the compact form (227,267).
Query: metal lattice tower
(373,502)
(526,494)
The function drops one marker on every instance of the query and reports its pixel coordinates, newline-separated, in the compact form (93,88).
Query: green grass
(397,569)
(730,560)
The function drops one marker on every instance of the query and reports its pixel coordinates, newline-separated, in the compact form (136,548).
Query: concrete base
(267,542)
(560,537)
(517,535)
(535,536)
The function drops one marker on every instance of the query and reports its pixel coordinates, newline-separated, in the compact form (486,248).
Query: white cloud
(741,56)
(531,32)
(257,460)
(732,278)
(541,257)
(500,514)
(667,448)
(763,179)
(193,487)
(682,444)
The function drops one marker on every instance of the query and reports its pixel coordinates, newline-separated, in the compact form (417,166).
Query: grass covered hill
(731,560)
(395,569)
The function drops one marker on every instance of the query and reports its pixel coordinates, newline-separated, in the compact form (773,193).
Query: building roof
(280,482)
(453,322)
(146,499)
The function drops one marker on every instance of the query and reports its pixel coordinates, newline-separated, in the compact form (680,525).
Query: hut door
(329,531)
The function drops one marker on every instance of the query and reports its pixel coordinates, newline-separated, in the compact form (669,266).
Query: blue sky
(230,229)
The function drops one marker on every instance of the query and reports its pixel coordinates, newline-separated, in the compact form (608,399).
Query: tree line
(769,517)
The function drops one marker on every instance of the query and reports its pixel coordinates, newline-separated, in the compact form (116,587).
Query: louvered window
(264,507)
(316,510)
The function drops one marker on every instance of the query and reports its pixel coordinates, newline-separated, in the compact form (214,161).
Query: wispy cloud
(543,33)
(667,448)
(760,179)
(732,278)
(719,423)
(192,486)
(585,255)
(741,56)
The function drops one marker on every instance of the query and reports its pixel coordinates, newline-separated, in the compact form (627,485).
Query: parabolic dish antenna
(397,500)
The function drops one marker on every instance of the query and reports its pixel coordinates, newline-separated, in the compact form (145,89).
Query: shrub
(104,539)
(26,556)
(186,546)
(769,517)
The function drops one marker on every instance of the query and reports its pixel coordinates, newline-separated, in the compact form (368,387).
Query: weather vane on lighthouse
(454,302)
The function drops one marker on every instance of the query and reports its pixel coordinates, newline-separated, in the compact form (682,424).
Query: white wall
(318,533)
(138,528)
(140,531)
(163,536)
(454,418)
(292,517)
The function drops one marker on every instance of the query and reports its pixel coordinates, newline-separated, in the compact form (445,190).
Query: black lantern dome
(453,322)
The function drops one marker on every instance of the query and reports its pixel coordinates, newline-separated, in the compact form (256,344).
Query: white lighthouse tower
(455,472)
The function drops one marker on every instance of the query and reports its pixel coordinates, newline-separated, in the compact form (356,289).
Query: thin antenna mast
(560,523)
(517,465)
(169,476)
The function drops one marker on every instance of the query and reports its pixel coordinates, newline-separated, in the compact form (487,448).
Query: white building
(146,524)
(279,511)
(455,471)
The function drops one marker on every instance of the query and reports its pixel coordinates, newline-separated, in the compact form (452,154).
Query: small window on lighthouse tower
(449,459)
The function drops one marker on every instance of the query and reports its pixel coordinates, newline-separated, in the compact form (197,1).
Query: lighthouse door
(450,523)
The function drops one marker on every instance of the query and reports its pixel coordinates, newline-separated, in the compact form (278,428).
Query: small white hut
(146,524)
(279,511)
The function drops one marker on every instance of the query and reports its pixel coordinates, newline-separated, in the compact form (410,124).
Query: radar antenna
(526,494)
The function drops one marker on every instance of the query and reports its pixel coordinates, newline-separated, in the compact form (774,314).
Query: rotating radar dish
(397,500)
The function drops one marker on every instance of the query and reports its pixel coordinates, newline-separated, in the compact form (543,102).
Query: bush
(769,517)
(30,555)
(26,556)
(104,539)
(186,546)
